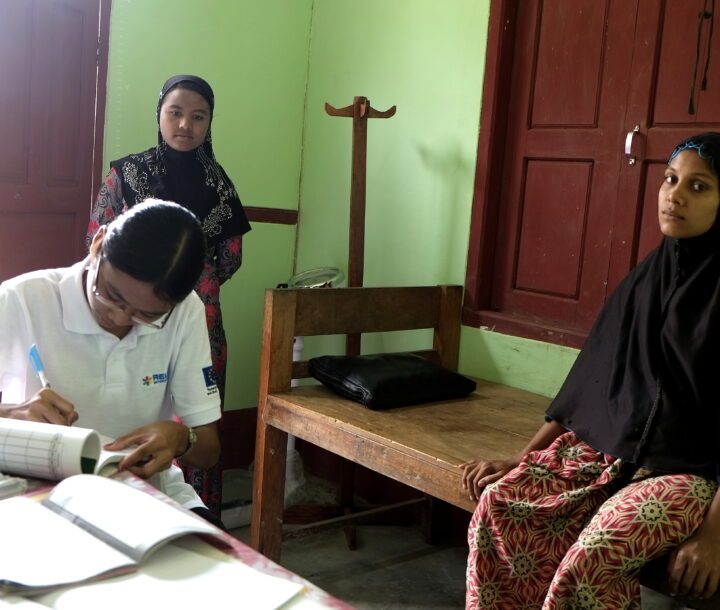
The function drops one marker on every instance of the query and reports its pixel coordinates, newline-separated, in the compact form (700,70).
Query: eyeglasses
(143,320)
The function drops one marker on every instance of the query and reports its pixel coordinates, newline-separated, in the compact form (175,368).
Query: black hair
(706,145)
(158,242)
(187,81)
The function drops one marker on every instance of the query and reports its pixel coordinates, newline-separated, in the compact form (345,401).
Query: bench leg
(437,524)
(268,491)
(347,500)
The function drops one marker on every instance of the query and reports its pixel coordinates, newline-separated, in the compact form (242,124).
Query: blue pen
(37,365)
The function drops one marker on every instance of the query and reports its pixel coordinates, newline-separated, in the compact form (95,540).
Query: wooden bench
(420,446)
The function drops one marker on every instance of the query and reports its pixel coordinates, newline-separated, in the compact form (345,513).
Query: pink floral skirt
(549,534)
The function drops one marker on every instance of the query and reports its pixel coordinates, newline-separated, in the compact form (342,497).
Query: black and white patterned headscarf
(193,179)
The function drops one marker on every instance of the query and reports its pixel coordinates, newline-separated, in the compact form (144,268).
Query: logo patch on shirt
(154,379)
(210,379)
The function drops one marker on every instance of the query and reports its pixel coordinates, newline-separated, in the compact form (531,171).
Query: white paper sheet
(39,547)
(181,575)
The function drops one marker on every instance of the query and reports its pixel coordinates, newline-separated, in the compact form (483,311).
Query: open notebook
(90,529)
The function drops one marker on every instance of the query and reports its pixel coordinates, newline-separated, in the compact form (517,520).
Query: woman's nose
(122,315)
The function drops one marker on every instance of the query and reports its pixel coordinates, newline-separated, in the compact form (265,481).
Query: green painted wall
(254,54)
(523,363)
(273,65)
(426,57)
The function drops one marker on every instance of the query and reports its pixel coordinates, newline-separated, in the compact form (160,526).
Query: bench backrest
(304,312)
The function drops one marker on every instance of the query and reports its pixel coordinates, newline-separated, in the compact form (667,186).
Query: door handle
(631,158)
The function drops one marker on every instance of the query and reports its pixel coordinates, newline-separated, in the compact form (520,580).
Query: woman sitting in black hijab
(182,168)
(626,467)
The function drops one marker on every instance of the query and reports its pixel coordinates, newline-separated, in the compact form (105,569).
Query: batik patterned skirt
(551,534)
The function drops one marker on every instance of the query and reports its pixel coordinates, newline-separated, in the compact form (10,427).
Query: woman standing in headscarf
(182,168)
(626,467)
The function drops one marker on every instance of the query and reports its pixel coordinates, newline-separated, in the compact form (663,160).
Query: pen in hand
(37,365)
(52,408)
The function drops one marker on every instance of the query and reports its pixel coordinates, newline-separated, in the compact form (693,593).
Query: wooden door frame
(490,161)
(100,100)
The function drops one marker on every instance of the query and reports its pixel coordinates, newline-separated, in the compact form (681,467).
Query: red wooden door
(51,120)
(554,226)
(658,99)
(573,215)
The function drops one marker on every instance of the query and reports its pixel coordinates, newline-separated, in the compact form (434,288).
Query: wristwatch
(192,439)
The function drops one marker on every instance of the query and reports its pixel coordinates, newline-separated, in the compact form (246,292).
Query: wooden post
(360,111)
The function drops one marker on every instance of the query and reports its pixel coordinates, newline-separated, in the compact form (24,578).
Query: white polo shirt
(116,385)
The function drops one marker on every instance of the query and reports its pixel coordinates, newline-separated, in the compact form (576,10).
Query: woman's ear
(97,240)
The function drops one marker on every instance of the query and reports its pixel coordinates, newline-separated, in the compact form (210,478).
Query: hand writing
(46,406)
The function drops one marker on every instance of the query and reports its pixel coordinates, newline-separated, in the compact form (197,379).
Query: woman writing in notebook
(124,343)
(625,469)
(182,168)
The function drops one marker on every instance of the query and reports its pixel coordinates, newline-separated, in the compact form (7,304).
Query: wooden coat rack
(360,111)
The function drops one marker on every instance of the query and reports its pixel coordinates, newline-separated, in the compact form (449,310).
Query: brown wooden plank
(438,479)
(446,339)
(333,311)
(271,215)
(271,443)
(268,491)
(300,368)
(492,423)
(277,341)
(420,446)
(364,516)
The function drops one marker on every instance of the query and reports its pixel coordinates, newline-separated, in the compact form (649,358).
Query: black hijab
(193,179)
(646,385)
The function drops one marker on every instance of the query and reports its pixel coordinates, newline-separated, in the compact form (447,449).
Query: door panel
(15,68)
(556,271)
(568,65)
(48,67)
(676,66)
(34,232)
(68,98)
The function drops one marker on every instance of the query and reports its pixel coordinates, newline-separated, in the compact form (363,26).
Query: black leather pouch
(383,381)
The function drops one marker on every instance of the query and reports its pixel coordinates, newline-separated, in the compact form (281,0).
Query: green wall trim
(522,363)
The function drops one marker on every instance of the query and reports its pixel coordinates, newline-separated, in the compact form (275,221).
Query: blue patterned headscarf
(706,145)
